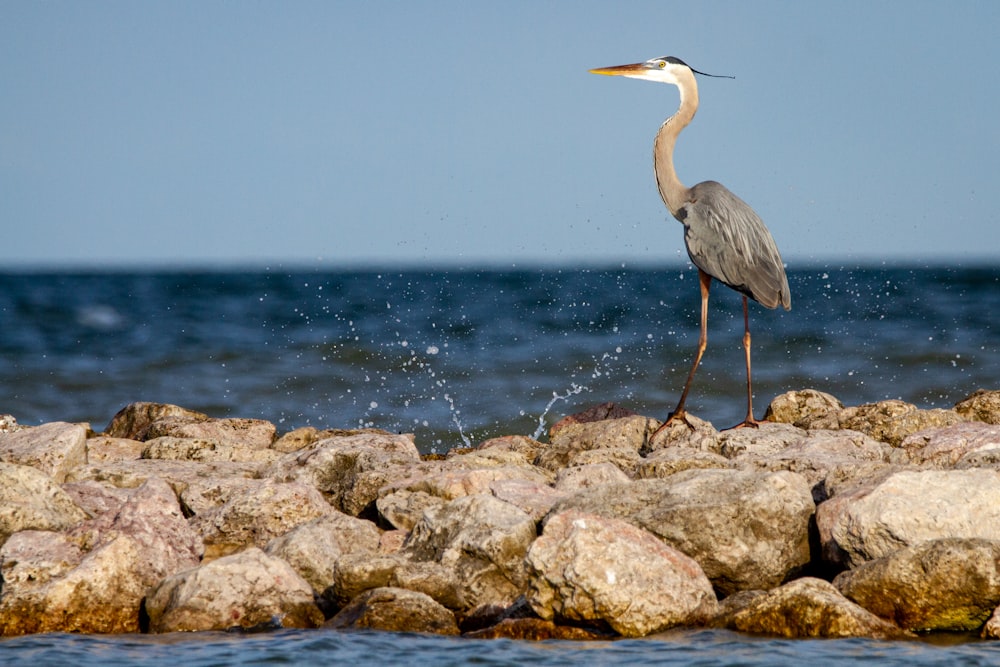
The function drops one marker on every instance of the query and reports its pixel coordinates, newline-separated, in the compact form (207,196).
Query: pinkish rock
(54,448)
(586,568)
(30,500)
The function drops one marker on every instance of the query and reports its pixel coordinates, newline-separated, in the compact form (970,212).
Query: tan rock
(807,608)
(245,590)
(256,514)
(908,508)
(31,500)
(587,568)
(396,610)
(802,408)
(983,405)
(54,448)
(103,448)
(132,420)
(950,585)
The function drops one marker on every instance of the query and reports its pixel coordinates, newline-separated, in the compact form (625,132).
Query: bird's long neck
(672,191)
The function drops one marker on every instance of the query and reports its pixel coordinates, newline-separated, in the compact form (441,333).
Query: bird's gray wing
(726,239)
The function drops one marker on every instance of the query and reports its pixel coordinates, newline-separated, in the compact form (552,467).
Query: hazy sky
(469,133)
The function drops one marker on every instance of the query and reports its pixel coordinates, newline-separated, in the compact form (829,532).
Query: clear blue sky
(351,133)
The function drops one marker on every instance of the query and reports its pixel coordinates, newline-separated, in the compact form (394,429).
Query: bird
(725,239)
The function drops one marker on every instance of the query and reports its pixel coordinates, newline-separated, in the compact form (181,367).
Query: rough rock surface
(256,515)
(396,610)
(747,530)
(951,584)
(587,568)
(983,406)
(910,507)
(132,420)
(123,555)
(806,607)
(31,500)
(54,448)
(349,470)
(245,590)
(483,540)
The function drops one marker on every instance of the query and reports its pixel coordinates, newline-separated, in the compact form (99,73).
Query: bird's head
(664,70)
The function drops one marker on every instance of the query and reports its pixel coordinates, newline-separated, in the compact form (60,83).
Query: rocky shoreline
(880,520)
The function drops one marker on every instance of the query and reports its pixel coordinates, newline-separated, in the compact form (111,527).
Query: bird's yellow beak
(621,70)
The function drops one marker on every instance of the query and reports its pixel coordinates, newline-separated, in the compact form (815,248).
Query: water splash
(455,418)
(573,390)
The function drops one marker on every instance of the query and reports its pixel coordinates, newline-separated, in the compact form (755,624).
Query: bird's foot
(673,418)
(749,422)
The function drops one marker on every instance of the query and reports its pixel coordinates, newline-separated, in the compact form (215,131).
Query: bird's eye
(661,64)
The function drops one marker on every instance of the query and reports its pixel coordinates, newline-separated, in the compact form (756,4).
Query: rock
(534,629)
(246,590)
(449,482)
(596,413)
(992,628)
(890,421)
(586,568)
(102,449)
(35,557)
(951,584)
(664,462)
(570,480)
(747,530)
(534,498)
(395,610)
(696,434)
(54,448)
(125,554)
(256,514)
(8,424)
(912,507)
(626,433)
(179,474)
(802,408)
(981,406)
(172,448)
(132,420)
(313,548)
(239,433)
(200,495)
(807,608)
(355,573)
(823,455)
(767,439)
(349,470)
(30,500)
(403,509)
(945,447)
(480,538)
(96,499)
(522,444)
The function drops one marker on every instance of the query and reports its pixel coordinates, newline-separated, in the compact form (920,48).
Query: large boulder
(983,405)
(623,438)
(483,540)
(747,530)
(121,556)
(802,408)
(54,448)
(248,590)
(31,500)
(395,610)
(314,548)
(910,507)
(951,446)
(806,608)
(132,420)
(587,568)
(256,514)
(951,584)
(349,470)
(889,421)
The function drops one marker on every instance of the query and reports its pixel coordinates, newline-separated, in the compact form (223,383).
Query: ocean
(457,356)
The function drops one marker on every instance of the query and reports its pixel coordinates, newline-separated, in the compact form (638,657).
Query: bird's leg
(705,282)
(749,421)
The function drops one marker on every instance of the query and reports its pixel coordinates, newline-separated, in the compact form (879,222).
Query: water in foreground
(303,647)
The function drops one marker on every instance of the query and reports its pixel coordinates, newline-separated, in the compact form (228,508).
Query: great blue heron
(725,239)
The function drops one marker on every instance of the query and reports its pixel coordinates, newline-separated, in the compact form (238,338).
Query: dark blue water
(297,647)
(467,355)
(459,356)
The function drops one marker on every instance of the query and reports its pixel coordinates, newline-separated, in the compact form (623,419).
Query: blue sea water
(458,356)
